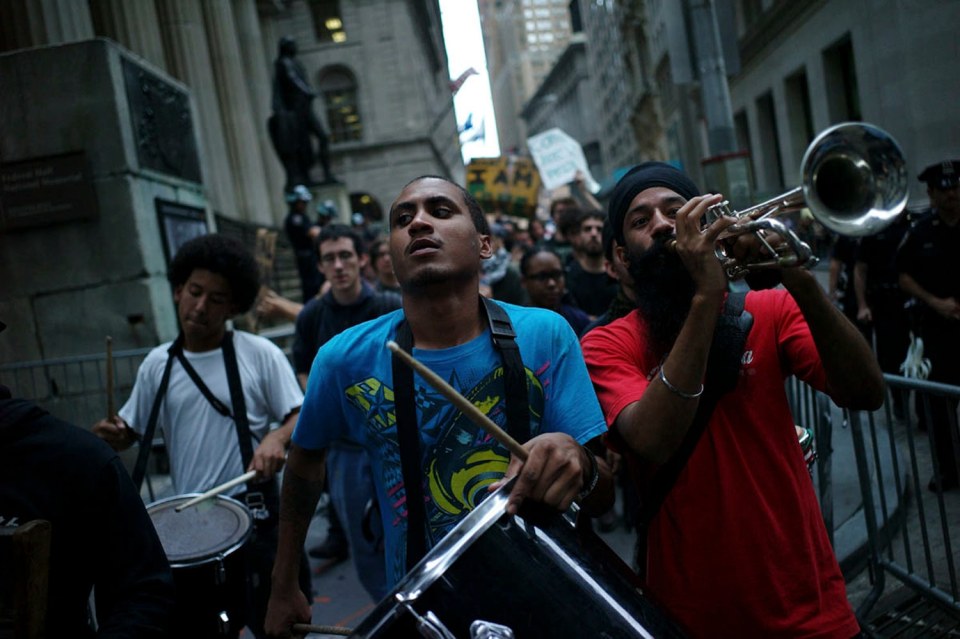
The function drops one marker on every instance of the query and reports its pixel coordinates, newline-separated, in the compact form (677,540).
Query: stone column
(260,87)
(34,23)
(243,149)
(132,23)
(188,59)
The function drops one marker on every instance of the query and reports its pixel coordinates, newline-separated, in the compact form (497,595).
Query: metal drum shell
(538,574)
(211,581)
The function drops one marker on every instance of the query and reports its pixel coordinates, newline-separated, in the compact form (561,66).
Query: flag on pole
(456,84)
(468,124)
(478,132)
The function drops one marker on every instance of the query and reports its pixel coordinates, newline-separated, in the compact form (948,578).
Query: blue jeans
(351,489)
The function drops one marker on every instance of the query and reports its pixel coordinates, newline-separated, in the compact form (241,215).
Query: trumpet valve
(715,212)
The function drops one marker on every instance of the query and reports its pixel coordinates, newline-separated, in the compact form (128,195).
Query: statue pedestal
(337,193)
(106,138)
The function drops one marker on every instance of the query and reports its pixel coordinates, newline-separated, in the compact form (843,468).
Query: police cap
(942,175)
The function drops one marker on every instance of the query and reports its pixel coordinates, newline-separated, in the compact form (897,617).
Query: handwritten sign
(507,184)
(559,157)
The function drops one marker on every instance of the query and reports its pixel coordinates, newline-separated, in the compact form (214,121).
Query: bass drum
(496,575)
(205,547)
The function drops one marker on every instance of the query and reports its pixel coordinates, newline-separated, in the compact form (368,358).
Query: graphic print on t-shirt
(460,458)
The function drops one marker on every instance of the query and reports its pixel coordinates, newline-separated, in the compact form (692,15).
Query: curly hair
(224,256)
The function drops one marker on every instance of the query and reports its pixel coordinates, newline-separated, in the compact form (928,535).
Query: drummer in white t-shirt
(215,278)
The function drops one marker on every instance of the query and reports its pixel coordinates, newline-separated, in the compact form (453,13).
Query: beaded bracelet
(676,391)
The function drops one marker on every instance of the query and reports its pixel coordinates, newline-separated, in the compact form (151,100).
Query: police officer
(301,232)
(879,300)
(928,262)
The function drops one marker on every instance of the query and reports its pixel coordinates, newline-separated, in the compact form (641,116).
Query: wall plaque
(179,223)
(162,124)
(48,190)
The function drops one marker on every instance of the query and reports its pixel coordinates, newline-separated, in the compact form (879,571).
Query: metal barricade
(812,409)
(74,388)
(922,555)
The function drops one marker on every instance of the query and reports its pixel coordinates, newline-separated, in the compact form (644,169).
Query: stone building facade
(379,68)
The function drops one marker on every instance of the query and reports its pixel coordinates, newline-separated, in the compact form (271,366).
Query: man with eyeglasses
(927,262)
(350,301)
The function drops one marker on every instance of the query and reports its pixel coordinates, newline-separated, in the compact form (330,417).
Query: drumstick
(461,402)
(308,628)
(242,479)
(110,406)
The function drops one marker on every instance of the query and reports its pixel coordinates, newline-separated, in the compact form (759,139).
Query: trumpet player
(691,383)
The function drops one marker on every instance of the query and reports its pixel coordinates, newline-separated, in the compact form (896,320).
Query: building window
(840,76)
(339,90)
(799,114)
(327,20)
(770,166)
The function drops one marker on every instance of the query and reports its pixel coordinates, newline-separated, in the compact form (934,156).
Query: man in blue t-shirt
(438,237)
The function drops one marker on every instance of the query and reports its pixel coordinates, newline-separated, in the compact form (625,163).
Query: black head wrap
(642,177)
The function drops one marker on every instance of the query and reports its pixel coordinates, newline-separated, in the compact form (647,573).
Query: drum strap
(146,442)
(239,414)
(408,435)
(236,398)
(723,372)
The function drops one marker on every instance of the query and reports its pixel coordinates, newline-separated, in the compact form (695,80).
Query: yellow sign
(507,184)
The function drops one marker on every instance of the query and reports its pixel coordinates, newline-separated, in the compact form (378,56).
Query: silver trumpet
(854,181)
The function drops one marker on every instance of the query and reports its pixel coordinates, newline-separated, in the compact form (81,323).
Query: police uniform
(930,254)
(883,294)
(297,226)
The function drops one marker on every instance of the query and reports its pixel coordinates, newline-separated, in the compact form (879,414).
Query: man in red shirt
(738,547)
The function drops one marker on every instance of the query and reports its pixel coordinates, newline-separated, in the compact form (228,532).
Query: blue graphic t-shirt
(350,395)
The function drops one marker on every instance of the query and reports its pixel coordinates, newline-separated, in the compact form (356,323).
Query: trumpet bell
(855,179)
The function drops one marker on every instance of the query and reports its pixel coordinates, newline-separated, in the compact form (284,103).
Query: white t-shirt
(201,443)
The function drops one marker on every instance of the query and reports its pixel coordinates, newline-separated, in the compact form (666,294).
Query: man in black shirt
(101,535)
(589,285)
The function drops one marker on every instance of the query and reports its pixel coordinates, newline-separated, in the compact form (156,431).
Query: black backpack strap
(236,398)
(408,438)
(514,374)
(146,442)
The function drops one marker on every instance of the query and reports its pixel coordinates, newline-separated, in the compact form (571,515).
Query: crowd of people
(608,337)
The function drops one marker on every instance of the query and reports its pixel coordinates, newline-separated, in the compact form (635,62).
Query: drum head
(217,526)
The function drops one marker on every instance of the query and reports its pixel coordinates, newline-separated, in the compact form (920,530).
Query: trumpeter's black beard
(664,293)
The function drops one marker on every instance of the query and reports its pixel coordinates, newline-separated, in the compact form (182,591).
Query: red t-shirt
(738,548)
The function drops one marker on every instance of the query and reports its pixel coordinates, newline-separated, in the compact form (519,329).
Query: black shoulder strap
(236,398)
(514,374)
(218,406)
(408,438)
(722,374)
(408,435)
(146,442)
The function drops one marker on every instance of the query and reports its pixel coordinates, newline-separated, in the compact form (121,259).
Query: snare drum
(538,575)
(204,544)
